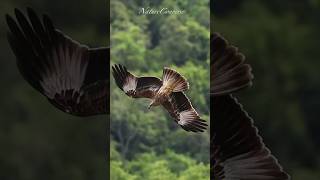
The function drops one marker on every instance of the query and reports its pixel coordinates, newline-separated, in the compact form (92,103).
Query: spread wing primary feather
(229,71)
(237,150)
(72,76)
(181,110)
(136,87)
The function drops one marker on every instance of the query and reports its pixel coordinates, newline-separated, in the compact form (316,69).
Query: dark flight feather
(182,111)
(72,76)
(136,87)
(237,150)
(229,72)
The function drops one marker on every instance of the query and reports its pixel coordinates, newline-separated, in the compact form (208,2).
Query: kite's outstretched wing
(181,110)
(136,87)
(174,81)
(237,151)
(73,77)
(229,72)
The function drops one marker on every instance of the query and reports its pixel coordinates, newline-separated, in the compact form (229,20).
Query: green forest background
(279,38)
(148,144)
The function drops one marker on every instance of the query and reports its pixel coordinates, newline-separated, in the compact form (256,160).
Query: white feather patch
(130,84)
(186,116)
(66,71)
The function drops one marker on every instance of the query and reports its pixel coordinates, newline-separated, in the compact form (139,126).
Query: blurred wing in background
(72,76)
(136,87)
(181,110)
(229,72)
(237,151)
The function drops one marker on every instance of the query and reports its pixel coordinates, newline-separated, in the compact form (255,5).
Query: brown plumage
(168,92)
(72,76)
(229,72)
(237,151)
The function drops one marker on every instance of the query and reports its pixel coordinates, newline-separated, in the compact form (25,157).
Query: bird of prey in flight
(237,150)
(168,92)
(73,77)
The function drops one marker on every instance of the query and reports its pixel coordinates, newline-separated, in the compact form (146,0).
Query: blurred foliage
(38,141)
(281,41)
(148,144)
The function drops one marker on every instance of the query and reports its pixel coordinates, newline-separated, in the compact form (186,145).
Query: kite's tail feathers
(174,81)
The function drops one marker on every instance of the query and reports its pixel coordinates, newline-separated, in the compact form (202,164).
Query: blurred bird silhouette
(237,150)
(168,92)
(73,77)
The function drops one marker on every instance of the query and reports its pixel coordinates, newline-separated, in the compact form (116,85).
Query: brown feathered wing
(72,76)
(229,72)
(136,87)
(237,150)
(181,110)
